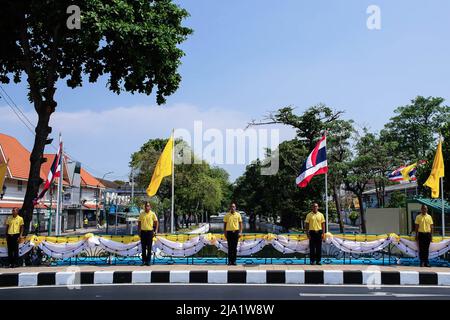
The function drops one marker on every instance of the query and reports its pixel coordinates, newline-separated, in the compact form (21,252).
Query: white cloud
(104,140)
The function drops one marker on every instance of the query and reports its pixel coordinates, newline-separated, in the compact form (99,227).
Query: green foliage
(397,200)
(353,215)
(273,196)
(131,43)
(135,42)
(415,126)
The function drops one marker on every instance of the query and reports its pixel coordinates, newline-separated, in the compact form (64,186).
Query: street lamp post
(104,200)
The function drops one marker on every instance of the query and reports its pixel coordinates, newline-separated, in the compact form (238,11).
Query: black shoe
(234,264)
(318,263)
(427,265)
(311,263)
(422,264)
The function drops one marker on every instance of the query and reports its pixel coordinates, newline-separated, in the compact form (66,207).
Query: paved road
(226,292)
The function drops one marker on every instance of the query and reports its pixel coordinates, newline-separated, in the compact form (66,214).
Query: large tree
(132,42)
(338,153)
(361,169)
(424,171)
(277,196)
(415,126)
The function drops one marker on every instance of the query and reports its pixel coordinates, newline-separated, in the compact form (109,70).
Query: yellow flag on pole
(163,168)
(3,168)
(437,172)
(405,171)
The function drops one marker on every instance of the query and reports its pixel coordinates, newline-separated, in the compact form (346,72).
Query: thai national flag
(396,175)
(315,164)
(55,172)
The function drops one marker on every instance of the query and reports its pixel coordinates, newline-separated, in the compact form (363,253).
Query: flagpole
(172,213)
(326,193)
(443,213)
(442,198)
(326,201)
(58,198)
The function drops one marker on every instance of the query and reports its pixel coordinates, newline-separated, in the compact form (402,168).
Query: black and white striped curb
(327,277)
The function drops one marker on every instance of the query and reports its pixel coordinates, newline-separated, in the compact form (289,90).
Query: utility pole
(132,186)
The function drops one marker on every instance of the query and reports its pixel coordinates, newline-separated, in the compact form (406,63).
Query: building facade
(80,194)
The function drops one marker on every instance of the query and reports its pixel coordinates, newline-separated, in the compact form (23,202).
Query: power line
(20,115)
(18,108)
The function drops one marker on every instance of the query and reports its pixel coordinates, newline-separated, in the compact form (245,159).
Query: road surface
(226,292)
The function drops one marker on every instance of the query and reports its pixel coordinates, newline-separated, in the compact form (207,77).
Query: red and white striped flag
(315,164)
(55,172)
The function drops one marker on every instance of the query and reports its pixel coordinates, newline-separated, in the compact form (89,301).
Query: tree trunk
(337,201)
(34,179)
(361,214)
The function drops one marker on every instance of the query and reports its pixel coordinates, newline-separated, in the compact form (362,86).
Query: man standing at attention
(147,228)
(424,234)
(232,227)
(14,233)
(315,228)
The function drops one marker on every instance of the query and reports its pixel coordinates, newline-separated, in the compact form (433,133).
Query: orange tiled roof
(19,157)
(19,163)
(88,180)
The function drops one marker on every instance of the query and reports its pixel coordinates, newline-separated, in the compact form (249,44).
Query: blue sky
(246,58)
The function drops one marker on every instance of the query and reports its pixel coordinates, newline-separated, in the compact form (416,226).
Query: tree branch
(51,73)
(28,65)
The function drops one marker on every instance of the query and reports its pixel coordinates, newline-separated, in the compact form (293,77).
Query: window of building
(19,185)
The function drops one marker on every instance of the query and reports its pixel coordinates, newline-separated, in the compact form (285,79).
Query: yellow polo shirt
(14,224)
(315,221)
(146,219)
(232,220)
(424,222)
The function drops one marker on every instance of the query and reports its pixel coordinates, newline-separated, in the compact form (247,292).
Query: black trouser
(232,239)
(146,243)
(424,239)
(315,245)
(13,248)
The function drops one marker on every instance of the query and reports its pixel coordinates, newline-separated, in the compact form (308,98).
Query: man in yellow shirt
(14,232)
(424,234)
(232,226)
(147,228)
(315,230)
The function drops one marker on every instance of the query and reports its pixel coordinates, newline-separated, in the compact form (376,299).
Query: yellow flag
(406,170)
(3,168)
(437,171)
(163,168)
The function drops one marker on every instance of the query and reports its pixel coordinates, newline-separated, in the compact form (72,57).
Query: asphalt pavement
(226,292)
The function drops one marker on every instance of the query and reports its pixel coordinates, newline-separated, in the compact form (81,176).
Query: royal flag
(54,173)
(3,169)
(315,164)
(163,168)
(437,172)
